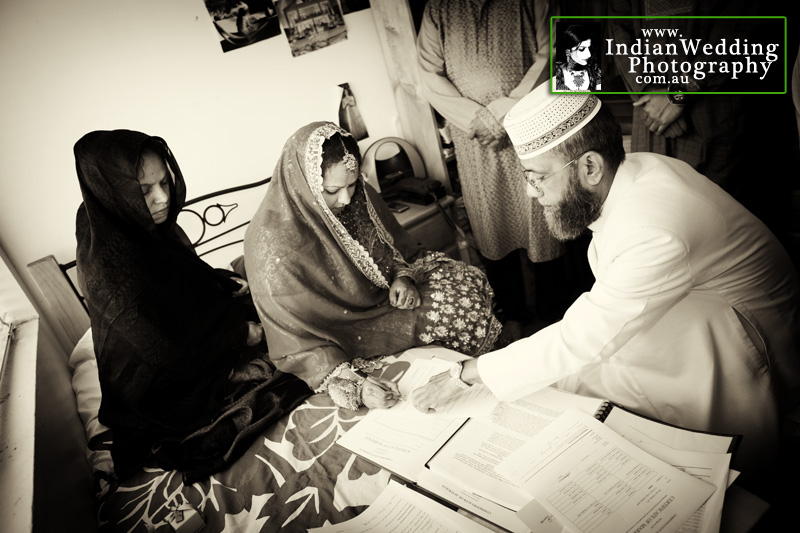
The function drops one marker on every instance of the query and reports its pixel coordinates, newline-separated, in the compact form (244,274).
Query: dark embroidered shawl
(177,378)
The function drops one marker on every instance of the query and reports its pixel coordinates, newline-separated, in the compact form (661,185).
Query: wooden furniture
(397,32)
(65,313)
(398,35)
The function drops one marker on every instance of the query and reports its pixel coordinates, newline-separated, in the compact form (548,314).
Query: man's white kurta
(693,318)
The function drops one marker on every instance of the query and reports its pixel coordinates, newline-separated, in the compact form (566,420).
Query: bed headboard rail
(215,223)
(59,299)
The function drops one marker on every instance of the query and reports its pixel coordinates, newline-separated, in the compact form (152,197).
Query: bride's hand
(403,294)
(379,393)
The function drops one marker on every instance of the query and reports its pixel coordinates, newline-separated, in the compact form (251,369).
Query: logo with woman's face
(577,67)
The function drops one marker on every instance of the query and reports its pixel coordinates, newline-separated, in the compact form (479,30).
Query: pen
(384,388)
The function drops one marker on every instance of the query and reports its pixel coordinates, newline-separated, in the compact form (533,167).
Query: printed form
(595,481)
(401,510)
(470,458)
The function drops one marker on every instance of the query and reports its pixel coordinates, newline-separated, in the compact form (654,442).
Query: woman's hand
(403,294)
(255,333)
(379,393)
(244,289)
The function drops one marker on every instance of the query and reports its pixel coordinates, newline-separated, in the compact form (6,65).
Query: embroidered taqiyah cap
(542,120)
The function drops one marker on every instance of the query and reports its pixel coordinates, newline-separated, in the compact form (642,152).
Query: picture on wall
(349,115)
(311,24)
(243,22)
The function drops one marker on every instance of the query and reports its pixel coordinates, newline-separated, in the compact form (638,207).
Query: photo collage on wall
(309,25)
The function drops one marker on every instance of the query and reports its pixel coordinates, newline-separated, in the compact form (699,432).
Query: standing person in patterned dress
(477,59)
(337,282)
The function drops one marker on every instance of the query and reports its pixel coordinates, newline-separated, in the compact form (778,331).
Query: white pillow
(86,386)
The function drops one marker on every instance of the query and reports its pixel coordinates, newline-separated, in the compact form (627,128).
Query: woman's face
(338,185)
(580,54)
(154,179)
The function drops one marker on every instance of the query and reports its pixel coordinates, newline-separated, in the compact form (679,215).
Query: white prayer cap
(542,120)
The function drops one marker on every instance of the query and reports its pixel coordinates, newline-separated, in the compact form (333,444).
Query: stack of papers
(402,510)
(552,461)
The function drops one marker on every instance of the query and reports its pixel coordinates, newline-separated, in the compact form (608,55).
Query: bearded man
(694,316)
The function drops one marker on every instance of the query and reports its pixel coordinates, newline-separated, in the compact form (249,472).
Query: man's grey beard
(572,215)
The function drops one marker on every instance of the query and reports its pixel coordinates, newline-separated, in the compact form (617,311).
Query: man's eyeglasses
(534,180)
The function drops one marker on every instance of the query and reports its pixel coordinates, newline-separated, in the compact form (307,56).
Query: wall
(17,390)
(156,65)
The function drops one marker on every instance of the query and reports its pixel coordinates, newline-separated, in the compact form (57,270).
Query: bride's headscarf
(322,297)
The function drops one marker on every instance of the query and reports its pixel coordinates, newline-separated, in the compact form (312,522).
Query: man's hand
(403,294)
(436,392)
(379,393)
(661,115)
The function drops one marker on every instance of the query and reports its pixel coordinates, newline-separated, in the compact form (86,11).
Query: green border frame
(601,17)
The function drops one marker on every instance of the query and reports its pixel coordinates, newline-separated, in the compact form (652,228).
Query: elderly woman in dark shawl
(337,283)
(183,372)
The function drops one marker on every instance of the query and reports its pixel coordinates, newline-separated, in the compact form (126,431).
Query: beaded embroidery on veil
(357,253)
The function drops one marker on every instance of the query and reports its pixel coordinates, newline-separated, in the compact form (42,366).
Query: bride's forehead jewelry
(349,161)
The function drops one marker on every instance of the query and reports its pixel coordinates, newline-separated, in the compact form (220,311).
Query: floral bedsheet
(291,478)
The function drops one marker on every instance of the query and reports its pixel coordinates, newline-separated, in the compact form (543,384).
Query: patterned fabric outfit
(477,59)
(179,383)
(320,282)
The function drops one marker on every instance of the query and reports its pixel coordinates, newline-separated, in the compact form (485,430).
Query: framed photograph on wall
(312,25)
(243,22)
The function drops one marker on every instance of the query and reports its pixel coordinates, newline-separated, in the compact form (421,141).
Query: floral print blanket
(293,477)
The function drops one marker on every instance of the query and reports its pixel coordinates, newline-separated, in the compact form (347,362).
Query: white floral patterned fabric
(293,477)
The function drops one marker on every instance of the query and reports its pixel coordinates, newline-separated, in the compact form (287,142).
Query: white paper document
(713,468)
(401,510)
(470,458)
(540,519)
(400,444)
(703,455)
(487,509)
(595,481)
(629,425)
